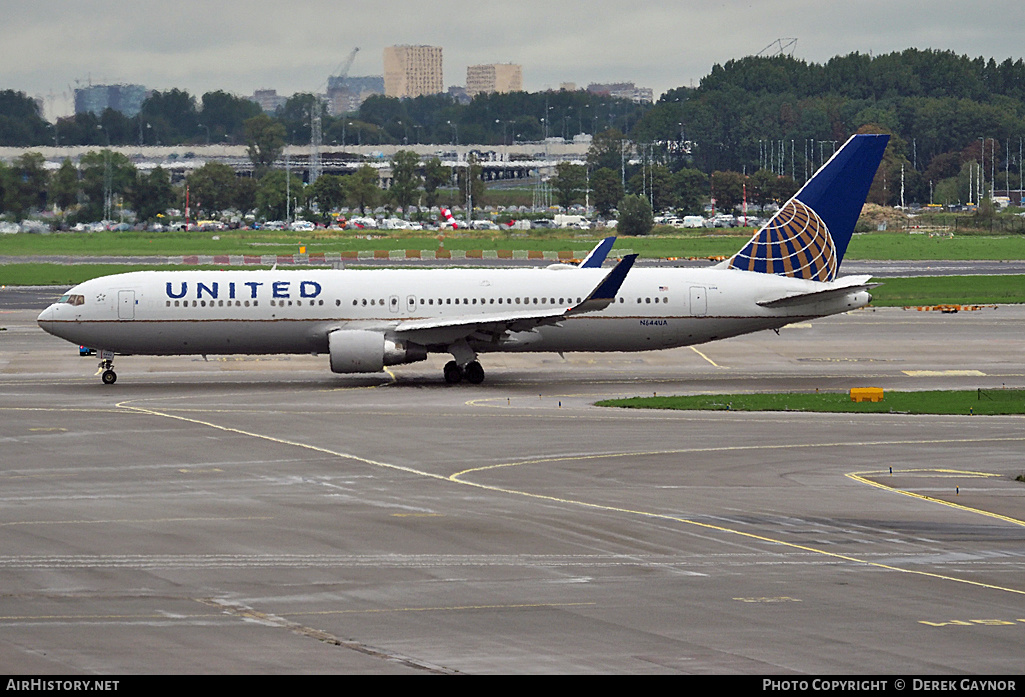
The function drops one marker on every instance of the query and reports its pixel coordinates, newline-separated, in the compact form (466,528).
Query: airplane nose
(45,316)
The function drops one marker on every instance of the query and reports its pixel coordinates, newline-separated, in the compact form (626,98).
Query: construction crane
(781,46)
(343,68)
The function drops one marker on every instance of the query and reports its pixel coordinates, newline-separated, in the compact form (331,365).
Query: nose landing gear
(106,369)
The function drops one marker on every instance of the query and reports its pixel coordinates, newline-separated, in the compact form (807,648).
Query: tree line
(957,123)
(946,113)
(175,117)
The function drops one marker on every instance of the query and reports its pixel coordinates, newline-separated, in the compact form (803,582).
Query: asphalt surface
(262,515)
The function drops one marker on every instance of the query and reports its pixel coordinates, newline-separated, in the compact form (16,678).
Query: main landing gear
(108,375)
(472,372)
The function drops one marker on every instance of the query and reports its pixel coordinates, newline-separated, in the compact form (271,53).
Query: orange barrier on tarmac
(866,394)
(949,309)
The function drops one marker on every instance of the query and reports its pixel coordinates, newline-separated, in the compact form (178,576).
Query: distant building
(623,90)
(458,93)
(495,77)
(345,94)
(269,100)
(412,71)
(94,99)
(567,86)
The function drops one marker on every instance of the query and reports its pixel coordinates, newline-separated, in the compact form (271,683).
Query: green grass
(881,246)
(980,402)
(949,290)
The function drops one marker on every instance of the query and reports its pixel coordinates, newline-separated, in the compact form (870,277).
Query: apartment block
(412,71)
(495,77)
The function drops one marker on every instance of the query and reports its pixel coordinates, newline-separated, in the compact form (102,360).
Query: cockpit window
(72,299)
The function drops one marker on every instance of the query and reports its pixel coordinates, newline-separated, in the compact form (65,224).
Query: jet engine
(361,351)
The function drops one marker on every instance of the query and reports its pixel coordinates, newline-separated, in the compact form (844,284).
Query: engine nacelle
(361,351)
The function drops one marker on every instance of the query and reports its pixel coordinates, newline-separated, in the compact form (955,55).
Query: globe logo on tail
(795,243)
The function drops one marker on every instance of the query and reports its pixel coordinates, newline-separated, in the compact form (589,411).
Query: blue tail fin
(807,238)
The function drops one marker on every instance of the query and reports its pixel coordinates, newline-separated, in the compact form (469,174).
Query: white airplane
(367,319)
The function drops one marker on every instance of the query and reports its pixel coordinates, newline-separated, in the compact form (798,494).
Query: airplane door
(698,302)
(393,303)
(410,303)
(126,304)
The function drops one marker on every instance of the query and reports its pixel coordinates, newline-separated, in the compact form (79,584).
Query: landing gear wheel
(109,377)
(474,373)
(453,373)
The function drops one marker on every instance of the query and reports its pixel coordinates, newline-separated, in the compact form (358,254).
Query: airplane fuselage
(294,311)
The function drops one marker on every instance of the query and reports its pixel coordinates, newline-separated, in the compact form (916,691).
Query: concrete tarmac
(263,515)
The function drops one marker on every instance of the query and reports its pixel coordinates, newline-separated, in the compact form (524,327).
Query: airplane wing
(451,329)
(843,286)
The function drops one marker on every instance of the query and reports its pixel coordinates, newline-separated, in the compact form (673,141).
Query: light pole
(107,176)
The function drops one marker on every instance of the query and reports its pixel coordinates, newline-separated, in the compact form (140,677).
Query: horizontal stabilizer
(844,286)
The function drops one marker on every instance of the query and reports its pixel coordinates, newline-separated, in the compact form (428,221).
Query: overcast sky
(50,46)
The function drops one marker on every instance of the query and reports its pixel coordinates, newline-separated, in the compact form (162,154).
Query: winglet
(597,256)
(605,292)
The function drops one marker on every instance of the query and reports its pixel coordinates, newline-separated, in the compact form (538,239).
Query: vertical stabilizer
(808,237)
